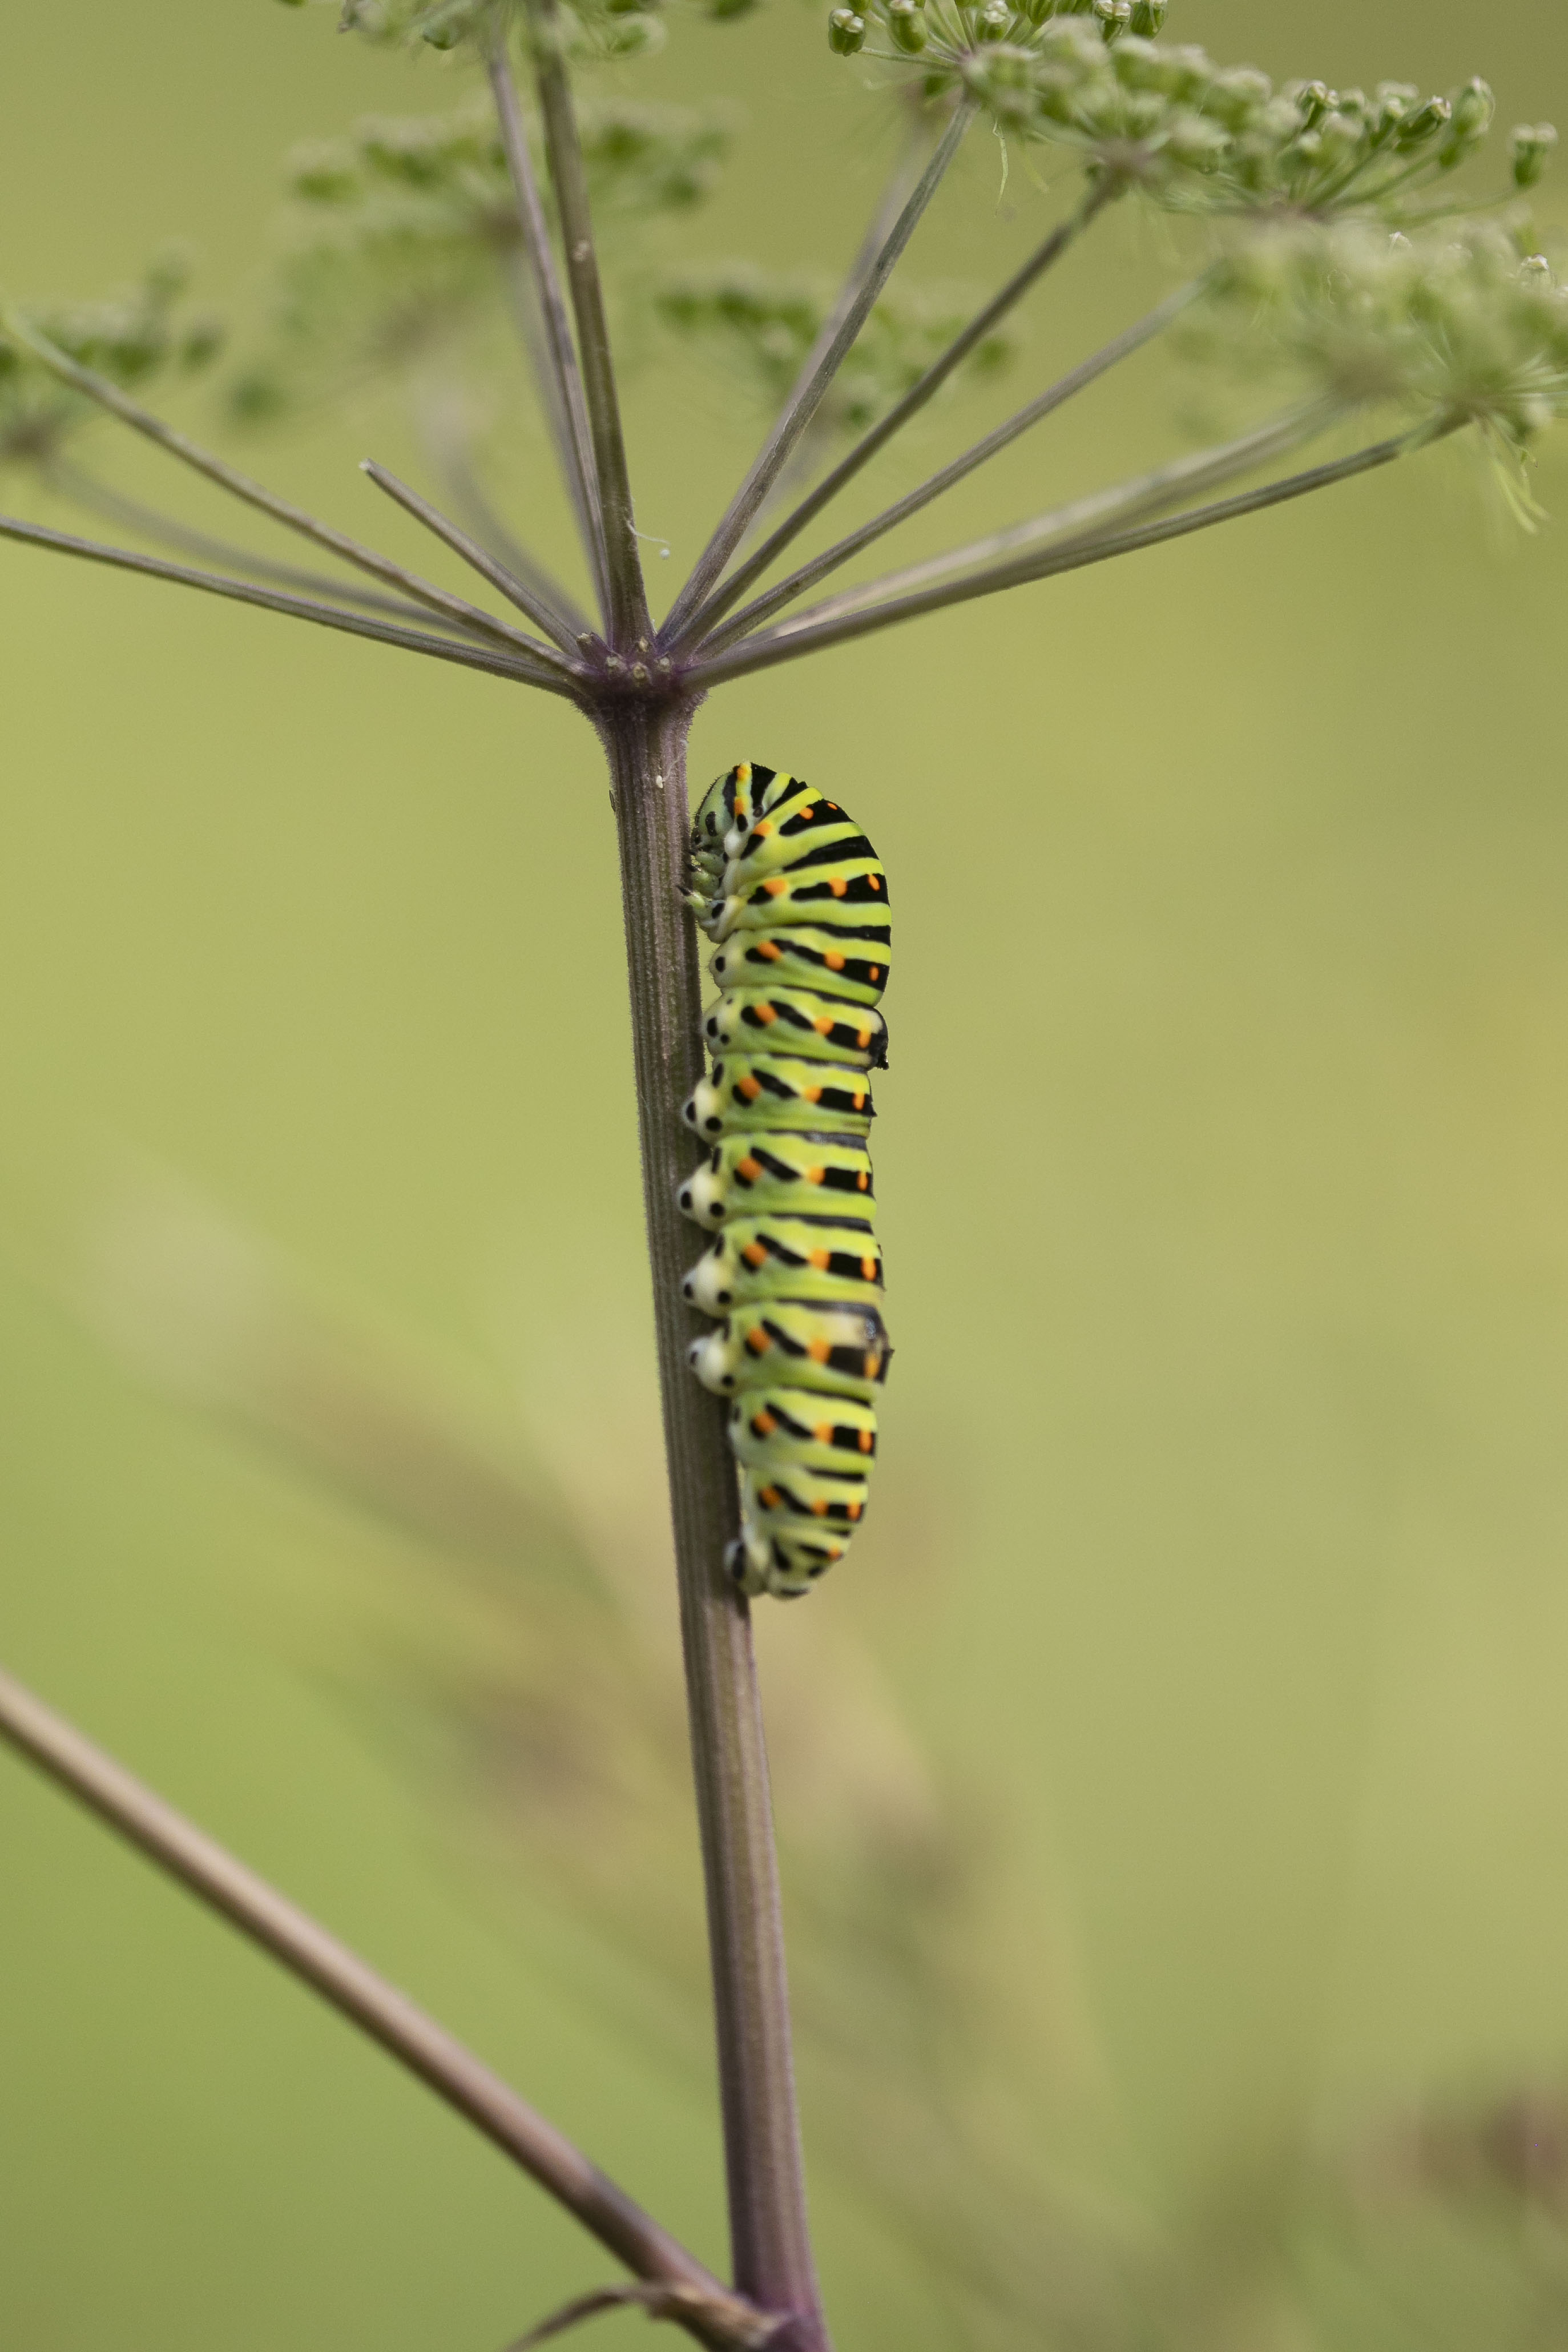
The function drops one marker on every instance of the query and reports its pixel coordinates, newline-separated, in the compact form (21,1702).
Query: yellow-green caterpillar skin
(795,899)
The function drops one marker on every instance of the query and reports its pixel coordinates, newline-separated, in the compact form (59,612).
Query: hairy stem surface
(771,2245)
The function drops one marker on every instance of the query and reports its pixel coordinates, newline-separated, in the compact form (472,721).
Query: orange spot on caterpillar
(816,1175)
(868,1268)
(758,1342)
(837,885)
(835,961)
(776,886)
(754,1254)
(859,1101)
(852,1510)
(749,1169)
(768,1495)
(764,1424)
(864,1039)
(872,1366)
(814,1094)
(824,1433)
(771,950)
(819,1509)
(762,828)
(751,1088)
(876,973)
(875,881)
(862,1182)
(818,1352)
(823,1025)
(866,1441)
(765,1014)
(821,1259)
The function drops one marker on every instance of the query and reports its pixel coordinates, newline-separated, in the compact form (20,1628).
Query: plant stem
(628,612)
(771,2244)
(560,380)
(784,644)
(866,282)
(369,2001)
(254,494)
(538,610)
(990,315)
(83,490)
(448,447)
(518,664)
(1055,397)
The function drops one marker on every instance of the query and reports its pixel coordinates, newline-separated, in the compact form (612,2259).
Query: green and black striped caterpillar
(795,899)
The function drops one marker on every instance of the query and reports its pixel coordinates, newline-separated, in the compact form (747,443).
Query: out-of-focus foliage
(133,339)
(762,328)
(403,236)
(527,1659)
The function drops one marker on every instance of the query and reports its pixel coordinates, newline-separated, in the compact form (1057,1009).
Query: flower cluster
(401,228)
(1164,117)
(1453,325)
(762,327)
(130,338)
(598,30)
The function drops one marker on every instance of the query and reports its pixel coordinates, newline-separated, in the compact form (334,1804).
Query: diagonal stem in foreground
(866,282)
(464,649)
(787,645)
(1046,253)
(379,2009)
(772,2250)
(1045,403)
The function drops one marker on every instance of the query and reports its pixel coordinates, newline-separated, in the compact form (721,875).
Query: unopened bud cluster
(131,338)
(600,30)
(1164,117)
(1452,325)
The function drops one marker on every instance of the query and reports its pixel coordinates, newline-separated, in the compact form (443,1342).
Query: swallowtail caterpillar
(794,898)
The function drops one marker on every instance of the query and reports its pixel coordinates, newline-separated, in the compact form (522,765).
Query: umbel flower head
(1164,118)
(1447,327)
(130,338)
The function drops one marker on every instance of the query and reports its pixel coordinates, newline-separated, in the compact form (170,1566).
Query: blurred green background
(1206,1656)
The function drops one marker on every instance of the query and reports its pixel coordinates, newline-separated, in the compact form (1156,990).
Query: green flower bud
(1529,150)
(994,22)
(1474,107)
(1195,143)
(1425,124)
(1115,16)
(1234,98)
(1314,99)
(906,23)
(846,32)
(1148,17)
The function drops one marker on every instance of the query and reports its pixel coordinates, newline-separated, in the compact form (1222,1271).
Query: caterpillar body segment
(811,1344)
(785,1257)
(749,1091)
(795,899)
(852,964)
(798,1021)
(808,1173)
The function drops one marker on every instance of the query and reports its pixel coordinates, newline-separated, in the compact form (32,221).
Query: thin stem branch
(448,447)
(517,665)
(377,2008)
(554,624)
(1055,397)
(988,316)
(865,284)
(780,645)
(560,378)
(628,603)
(772,2250)
(1164,486)
(202,461)
(84,491)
